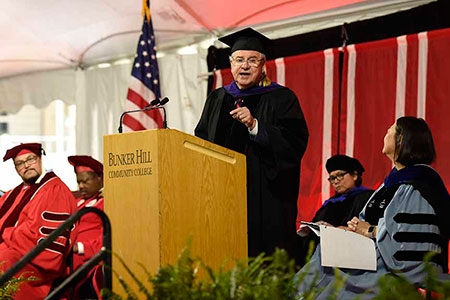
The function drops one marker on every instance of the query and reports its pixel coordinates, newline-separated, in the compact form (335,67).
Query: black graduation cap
(345,163)
(248,39)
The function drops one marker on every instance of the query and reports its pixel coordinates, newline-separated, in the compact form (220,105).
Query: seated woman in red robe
(90,229)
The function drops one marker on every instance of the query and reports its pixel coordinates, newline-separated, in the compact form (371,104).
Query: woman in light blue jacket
(407,216)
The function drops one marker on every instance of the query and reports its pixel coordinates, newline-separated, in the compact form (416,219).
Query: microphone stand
(155,104)
(161,104)
(164,118)
(120,129)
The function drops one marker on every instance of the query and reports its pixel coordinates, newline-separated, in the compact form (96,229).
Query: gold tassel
(265,81)
(145,10)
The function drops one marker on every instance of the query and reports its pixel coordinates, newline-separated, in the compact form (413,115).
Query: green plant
(9,289)
(263,277)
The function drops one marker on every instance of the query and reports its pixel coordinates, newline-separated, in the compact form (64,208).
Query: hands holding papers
(306,228)
(343,248)
(346,249)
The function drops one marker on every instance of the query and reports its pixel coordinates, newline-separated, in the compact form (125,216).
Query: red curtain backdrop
(438,98)
(381,81)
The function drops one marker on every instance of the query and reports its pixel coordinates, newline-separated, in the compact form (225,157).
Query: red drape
(381,81)
(373,83)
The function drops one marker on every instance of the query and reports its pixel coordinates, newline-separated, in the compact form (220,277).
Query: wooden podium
(163,186)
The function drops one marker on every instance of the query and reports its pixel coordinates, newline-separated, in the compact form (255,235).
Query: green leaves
(260,278)
(9,289)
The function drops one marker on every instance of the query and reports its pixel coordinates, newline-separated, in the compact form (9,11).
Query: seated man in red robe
(90,230)
(28,214)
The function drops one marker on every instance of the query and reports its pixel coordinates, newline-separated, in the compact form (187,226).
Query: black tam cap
(247,39)
(345,163)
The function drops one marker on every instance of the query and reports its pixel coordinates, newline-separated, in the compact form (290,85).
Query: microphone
(158,104)
(154,104)
(164,101)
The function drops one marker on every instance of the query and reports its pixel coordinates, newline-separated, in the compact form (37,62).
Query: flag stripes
(144,82)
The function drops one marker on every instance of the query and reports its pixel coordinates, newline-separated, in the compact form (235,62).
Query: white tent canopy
(50,34)
(49,47)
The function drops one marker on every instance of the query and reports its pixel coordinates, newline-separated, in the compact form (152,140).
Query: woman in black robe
(348,201)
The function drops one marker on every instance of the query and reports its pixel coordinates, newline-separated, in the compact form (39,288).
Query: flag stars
(145,67)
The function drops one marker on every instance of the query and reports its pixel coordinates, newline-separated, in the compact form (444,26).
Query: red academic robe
(28,215)
(90,236)
(90,230)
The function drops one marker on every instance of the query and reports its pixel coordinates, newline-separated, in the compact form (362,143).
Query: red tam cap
(85,163)
(35,148)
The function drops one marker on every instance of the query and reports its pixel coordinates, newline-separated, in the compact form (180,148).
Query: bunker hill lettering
(129,158)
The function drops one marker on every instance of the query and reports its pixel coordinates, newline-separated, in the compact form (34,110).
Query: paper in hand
(306,227)
(346,249)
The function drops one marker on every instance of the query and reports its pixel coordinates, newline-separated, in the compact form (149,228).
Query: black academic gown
(273,161)
(339,213)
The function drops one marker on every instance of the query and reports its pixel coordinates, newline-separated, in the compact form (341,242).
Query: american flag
(144,85)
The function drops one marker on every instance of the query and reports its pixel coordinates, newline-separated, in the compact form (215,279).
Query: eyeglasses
(252,61)
(21,163)
(337,177)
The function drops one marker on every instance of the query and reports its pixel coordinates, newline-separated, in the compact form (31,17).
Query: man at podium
(264,121)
